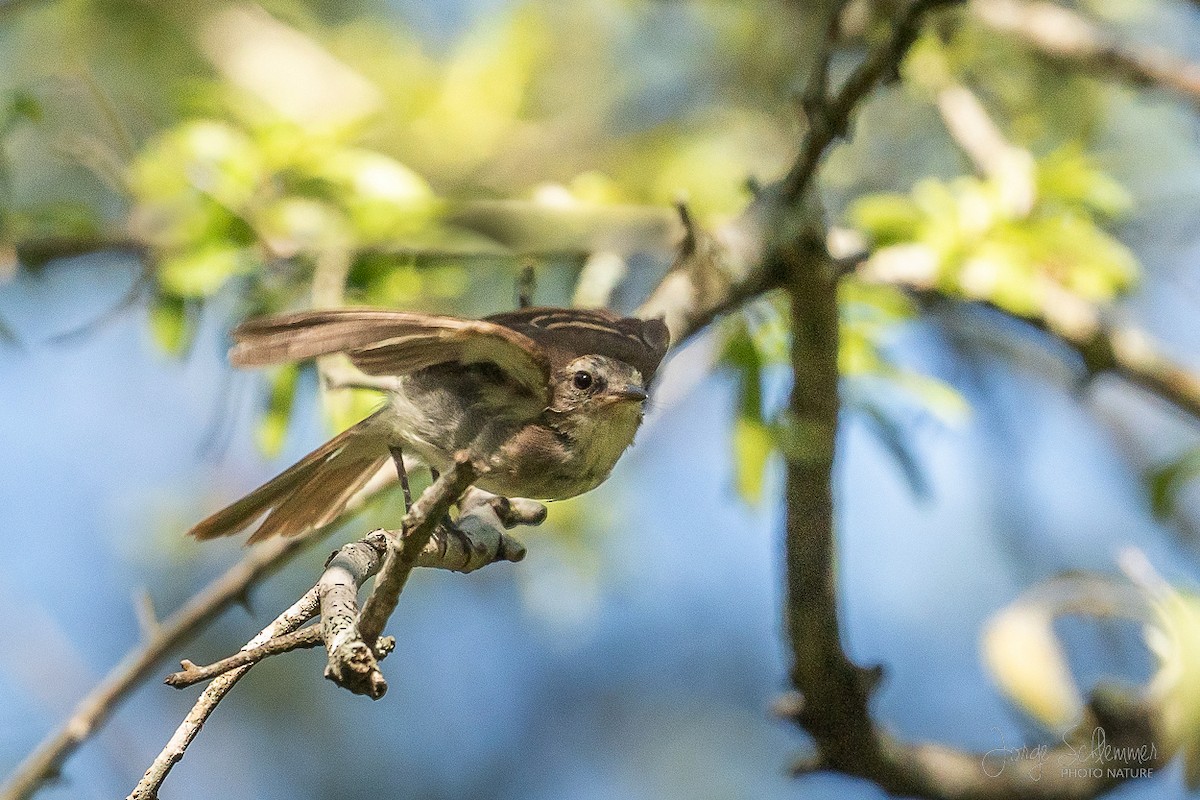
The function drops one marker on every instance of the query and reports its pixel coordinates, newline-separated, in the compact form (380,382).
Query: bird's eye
(582,380)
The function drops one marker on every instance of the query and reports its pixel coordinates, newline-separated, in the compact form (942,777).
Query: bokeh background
(167,171)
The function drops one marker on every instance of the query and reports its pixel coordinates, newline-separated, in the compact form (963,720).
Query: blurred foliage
(1174,637)
(265,147)
(1026,657)
(967,238)
(288,148)
(297,153)
(1167,481)
(757,339)
(873,384)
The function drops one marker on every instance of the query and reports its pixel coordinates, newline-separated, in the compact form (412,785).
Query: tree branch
(93,711)
(1103,345)
(147,789)
(716,273)
(1069,37)
(335,597)
(286,643)
(350,637)
(832,702)
(829,116)
(475,542)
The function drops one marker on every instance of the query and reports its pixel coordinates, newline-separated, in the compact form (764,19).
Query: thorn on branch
(688,246)
(870,678)
(526,285)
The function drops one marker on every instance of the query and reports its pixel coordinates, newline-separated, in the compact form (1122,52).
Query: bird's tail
(310,494)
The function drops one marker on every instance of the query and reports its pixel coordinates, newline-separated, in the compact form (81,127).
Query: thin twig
(296,640)
(526,284)
(475,542)
(402,472)
(419,523)
(829,118)
(93,710)
(300,612)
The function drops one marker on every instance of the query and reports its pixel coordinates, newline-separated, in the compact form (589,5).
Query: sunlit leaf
(1175,639)
(1025,658)
(350,406)
(206,156)
(978,244)
(1024,654)
(201,272)
(1068,175)
(886,218)
(752,447)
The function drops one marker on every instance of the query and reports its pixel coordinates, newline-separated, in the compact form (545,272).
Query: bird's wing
(381,342)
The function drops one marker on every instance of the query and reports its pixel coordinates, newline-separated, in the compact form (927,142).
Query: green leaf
(1166,482)
(741,354)
(1071,177)
(1174,636)
(887,218)
(208,157)
(272,431)
(201,272)
(169,323)
(753,438)
(935,396)
(752,447)
(22,105)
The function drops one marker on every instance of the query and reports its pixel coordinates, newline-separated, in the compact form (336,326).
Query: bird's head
(601,386)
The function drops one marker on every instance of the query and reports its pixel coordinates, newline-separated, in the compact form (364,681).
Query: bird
(545,399)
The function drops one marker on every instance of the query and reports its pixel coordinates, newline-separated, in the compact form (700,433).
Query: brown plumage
(308,495)
(500,386)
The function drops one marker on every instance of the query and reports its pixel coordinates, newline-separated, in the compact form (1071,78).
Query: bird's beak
(629,392)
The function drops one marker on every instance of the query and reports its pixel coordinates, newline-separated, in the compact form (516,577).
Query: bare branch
(972,128)
(296,640)
(829,116)
(832,702)
(602,273)
(350,637)
(1071,38)
(474,542)
(93,710)
(300,612)
(1103,346)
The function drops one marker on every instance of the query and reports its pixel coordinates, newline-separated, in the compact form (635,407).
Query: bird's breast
(554,461)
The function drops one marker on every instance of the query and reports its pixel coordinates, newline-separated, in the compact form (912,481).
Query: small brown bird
(549,398)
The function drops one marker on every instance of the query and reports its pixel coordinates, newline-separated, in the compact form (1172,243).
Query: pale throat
(602,436)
